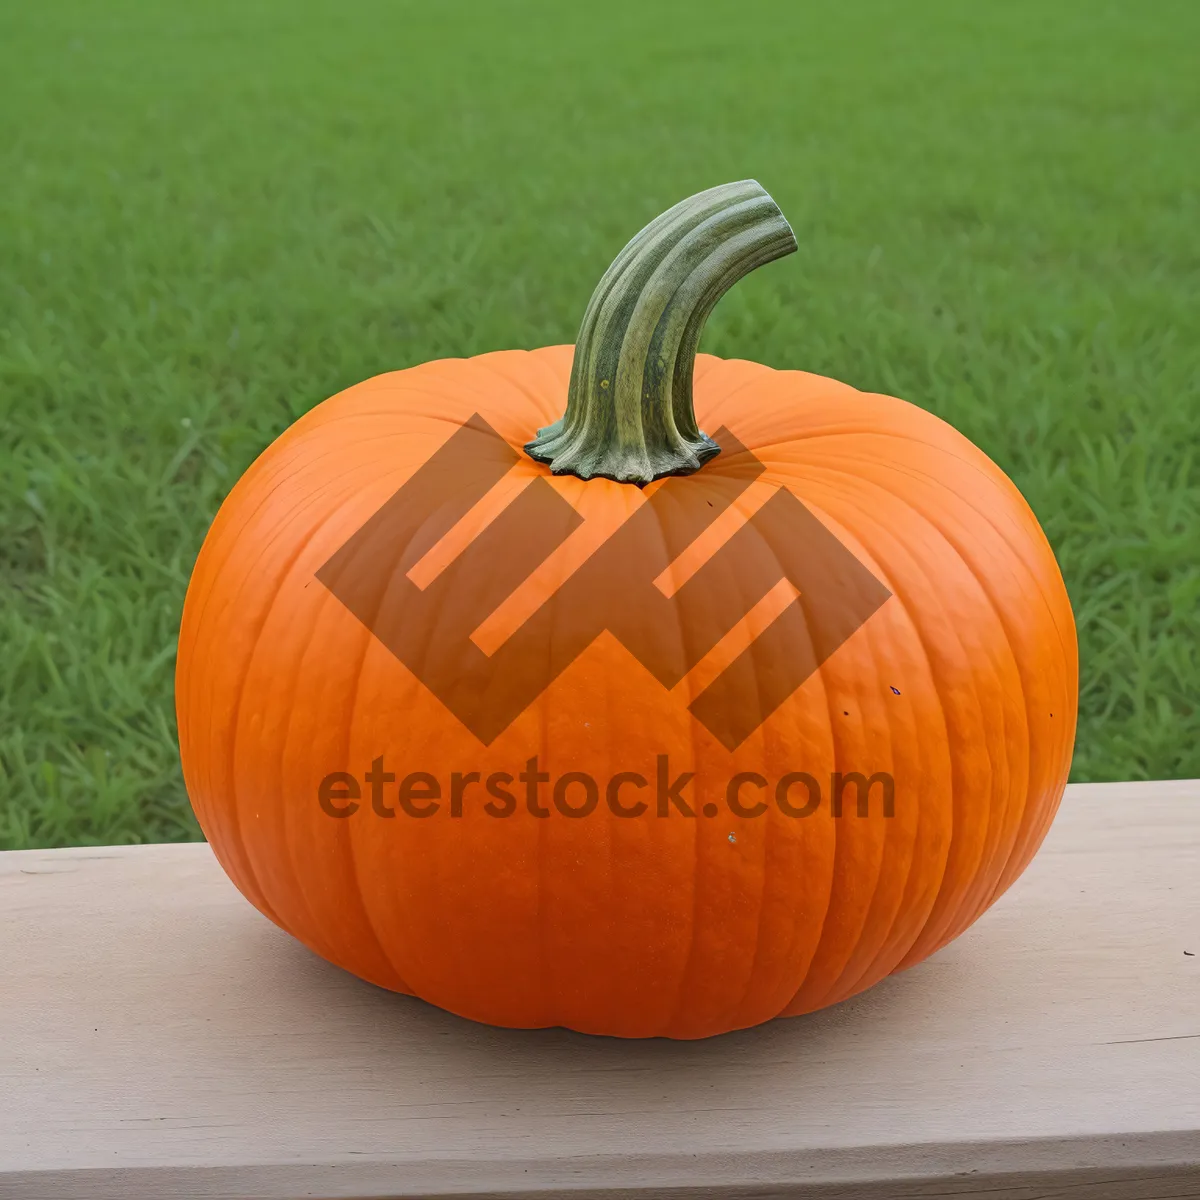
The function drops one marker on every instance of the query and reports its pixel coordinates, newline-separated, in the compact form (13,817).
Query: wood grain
(160,1038)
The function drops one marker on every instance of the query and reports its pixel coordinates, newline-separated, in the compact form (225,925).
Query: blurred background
(213,216)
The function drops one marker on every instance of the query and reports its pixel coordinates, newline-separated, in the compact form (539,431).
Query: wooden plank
(159,1038)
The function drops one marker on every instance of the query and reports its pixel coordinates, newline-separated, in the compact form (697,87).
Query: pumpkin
(624,688)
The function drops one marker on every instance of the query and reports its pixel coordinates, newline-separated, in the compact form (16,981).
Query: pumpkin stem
(629,404)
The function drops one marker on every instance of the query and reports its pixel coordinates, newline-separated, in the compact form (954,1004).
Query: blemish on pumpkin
(604,383)
(733,837)
(895,690)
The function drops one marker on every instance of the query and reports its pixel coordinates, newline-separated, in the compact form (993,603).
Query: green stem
(629,404)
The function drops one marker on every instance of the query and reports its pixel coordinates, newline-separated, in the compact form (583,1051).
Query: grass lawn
(214,215)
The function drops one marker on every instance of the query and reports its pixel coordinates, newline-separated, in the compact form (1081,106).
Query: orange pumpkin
(611,723)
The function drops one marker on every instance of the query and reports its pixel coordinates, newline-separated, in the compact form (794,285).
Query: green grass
(214,215)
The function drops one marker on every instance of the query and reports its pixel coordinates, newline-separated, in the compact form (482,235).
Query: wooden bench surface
(158,1037)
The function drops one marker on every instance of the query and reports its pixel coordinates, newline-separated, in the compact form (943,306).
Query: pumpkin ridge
(280,805)
(1032,827)
(838,840)
(489,404)
(225,838)
(992,863)
(197,624)
(986,861)
(537,400)
(329,603)
(471,394)
(1003,532)
(838,848)
(933,675)
(885,949)
(548,989)
(805,436)
(683,990)
(329,502)
(832,987)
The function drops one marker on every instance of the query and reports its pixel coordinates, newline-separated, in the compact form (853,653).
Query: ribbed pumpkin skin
(647,926)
